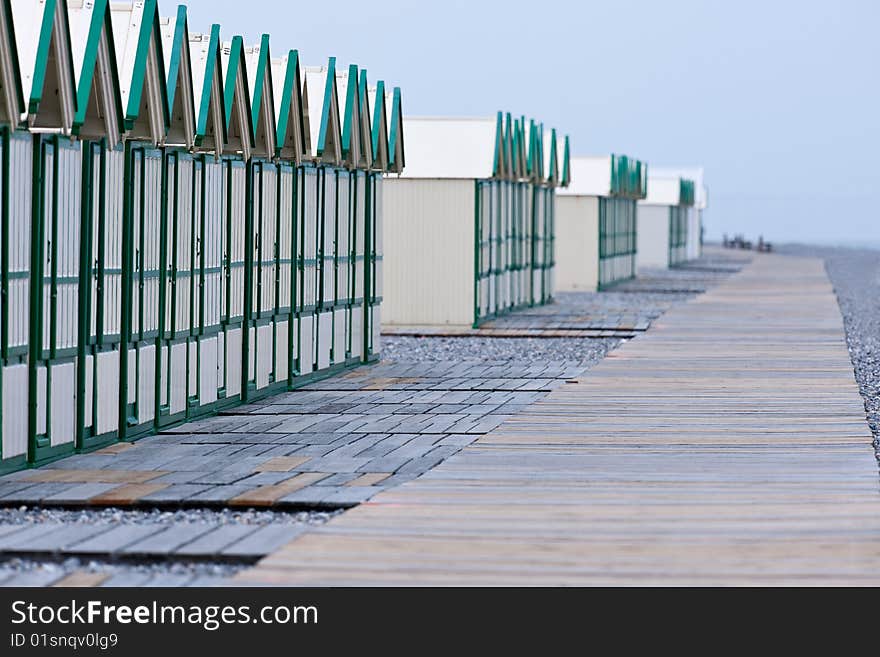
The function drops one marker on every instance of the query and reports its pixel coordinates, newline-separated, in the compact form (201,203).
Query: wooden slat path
(726,446)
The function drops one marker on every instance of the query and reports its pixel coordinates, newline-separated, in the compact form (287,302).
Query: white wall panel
(429,252)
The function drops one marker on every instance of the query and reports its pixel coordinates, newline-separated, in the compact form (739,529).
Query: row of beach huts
(190,222)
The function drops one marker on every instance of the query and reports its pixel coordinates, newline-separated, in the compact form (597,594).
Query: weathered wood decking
(727,446)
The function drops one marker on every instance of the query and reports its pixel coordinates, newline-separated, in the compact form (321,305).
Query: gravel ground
(529,350)
(177,573)
(855,275)
(34,515)
(185,572)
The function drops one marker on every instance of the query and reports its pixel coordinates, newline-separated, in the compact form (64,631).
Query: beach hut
(454,215)
(350,190)
(663,223)
(267,364)
(13,431)
(216,177)
(235,142)
(378,101)
(52,179)
(317,331)
(38,92)
(137,42)
(694,240)
(183,248)
(291,149)
(596,221)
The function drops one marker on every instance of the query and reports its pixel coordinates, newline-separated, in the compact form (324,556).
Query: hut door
(55,259)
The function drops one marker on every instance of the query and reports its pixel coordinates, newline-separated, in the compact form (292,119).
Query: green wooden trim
(149,30)
(292,85)
(101,20)
(553,173)
(498,154)
(329,93)
(378,116)
(42,58)
(237,69)
(213,67)
(351,99)
(4,248)
(396,134)
(179,41)
(13,464)
(263,64)
(566,163)
(364,109)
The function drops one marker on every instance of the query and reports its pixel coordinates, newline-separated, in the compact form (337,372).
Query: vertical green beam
(4,245)
(368,267)
(477,254)
(248,278)
(35,332)
(84,296)
(127,261)
(163,285)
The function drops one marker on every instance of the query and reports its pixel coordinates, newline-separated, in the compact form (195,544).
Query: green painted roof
(149,29)
(181,41)
(553,173)
(100,21)
(396,161)
(687,194)
(498,156)
(566,164)
(213,67)
(379,132)
(366,123)
(291,88)
(237,69)
(34,96)
(350,112)
(328,105)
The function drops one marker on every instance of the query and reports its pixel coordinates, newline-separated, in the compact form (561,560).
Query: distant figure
(764,247)
(725,241)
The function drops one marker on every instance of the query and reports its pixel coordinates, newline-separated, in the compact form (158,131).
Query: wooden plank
(728,445)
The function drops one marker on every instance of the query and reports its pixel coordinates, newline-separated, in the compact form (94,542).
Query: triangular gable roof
(498,162)
(139,55)
(324,120)
(45,63)
(565,174)
(348,97)
(396,150)
(538,141)
(379,129)
(98,101)
(178,80)
(520,168)
(366,128)
(291,137)
(508,148)
(236,99)
(11,100)
(207,76)
(263,123)
(530,132)
(551,161)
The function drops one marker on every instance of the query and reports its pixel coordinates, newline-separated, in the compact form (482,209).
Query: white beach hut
(596,222)
(663,222)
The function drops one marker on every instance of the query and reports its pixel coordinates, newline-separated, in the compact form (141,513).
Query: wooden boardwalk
(726,446)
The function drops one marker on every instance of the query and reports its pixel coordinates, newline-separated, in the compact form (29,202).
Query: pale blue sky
(777,99)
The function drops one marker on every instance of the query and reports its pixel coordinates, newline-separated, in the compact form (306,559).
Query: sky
(778,100)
